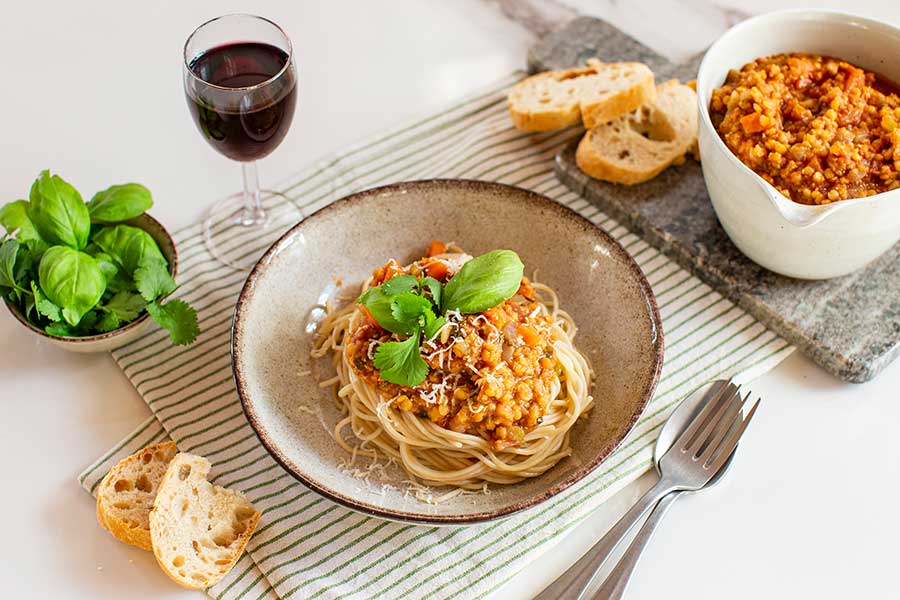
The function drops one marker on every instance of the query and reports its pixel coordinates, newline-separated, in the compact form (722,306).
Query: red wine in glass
(250,130)
(241,88)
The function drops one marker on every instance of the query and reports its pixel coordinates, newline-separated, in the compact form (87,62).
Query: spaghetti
(505,387)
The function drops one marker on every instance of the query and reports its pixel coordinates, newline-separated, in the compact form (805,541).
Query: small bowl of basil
(90,276)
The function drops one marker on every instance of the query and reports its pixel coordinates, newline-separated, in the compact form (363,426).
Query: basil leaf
(399,284)
(58,212)
(8,251)
(434,287)
(484,282)
(14,217)
(379,305)
(401,363)
(129,246)
(153,281)
(37,249)
(409,309)
(120,203)
(29,304)
(433,325)
(43,304)
(72,280)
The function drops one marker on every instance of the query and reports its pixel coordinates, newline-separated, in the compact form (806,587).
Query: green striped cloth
(307,547)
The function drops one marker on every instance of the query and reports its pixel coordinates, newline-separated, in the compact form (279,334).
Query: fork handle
(617,581)
(574,583)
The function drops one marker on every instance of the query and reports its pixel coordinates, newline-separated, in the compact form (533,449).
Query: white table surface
(93,91)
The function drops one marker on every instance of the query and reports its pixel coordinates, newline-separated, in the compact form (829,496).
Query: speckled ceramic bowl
(104,342)
(598,283)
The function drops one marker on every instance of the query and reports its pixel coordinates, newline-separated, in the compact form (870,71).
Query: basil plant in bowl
(90,276)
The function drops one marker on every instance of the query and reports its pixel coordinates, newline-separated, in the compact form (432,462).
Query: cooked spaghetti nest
(504,390)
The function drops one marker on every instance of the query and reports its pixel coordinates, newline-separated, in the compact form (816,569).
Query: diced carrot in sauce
(753,123)
(392,268)
(496,316)
(368,315)
(528,335)
(525,289)
(436,248)
(436,269)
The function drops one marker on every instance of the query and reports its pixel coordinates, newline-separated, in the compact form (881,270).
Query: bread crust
(546,102)
(120,529)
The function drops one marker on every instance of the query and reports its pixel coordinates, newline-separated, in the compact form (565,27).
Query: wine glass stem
(252,213)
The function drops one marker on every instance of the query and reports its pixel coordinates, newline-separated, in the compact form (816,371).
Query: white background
(92,90)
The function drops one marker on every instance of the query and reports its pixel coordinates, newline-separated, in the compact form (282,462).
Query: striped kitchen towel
(308,547)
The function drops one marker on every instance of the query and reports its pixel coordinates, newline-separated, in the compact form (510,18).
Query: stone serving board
(848,325)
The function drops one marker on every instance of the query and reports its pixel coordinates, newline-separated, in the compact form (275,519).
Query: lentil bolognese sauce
(818,129)
(459,369)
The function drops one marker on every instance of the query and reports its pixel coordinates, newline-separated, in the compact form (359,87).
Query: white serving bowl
(807,242)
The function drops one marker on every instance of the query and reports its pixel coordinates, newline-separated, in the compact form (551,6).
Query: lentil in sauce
(818,129)
(491,373)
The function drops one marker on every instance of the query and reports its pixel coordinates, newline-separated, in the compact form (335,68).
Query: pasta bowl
(325,258)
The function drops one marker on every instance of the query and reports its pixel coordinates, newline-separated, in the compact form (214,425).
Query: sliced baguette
(593,95)
(199,530)
(126,494)
(638,146)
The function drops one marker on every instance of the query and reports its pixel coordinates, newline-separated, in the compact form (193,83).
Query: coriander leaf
(484,282)
(43,304)
(401,363)
(120,203)
(178,317)
(399,284)
(58,212)
(379,305)
(433,325)
(126,306)
(72,280)
(59,329)
(87,323)
(152,280)
(14,217)
(109,322)
(409,309)
(435,288)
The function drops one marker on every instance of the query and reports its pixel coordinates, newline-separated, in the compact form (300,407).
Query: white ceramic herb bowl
(807,242)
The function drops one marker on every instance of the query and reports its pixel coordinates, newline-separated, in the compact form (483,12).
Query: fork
(694,458)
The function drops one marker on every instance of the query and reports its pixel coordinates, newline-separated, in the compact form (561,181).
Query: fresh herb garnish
(410,306)
(75,270)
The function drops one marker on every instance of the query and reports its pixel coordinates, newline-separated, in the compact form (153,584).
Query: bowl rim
(88,339)
(238,332)
(793,14)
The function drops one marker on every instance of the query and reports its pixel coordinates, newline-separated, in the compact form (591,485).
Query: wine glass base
(229,226)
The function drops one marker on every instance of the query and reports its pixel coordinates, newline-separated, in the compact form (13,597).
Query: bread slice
(126,494)
(198,529)
(593,95)
(637,147)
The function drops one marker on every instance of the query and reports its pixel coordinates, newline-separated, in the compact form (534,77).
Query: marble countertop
(94,92)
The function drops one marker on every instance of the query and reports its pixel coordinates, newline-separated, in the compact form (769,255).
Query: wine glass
(240,83)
